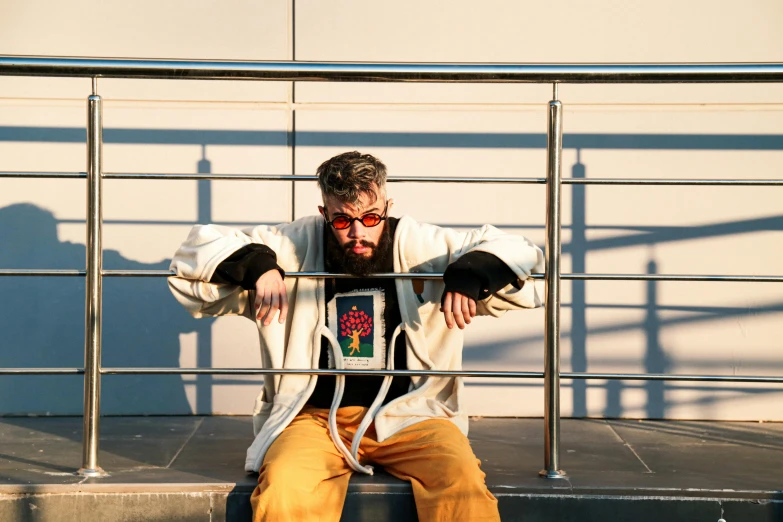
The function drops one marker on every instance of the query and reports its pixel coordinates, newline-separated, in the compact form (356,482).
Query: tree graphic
(355,324)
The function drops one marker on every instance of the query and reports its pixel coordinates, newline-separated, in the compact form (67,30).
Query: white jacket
(296,344)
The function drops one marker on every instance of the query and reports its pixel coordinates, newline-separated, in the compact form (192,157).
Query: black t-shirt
(361,390)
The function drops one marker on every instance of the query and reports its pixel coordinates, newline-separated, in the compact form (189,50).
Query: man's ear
(389,206)
(322,211)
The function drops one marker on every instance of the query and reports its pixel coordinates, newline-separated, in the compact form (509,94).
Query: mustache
(350,244)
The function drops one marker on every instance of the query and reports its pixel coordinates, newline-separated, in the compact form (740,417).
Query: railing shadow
(143,324)
(444,140)
(42,325)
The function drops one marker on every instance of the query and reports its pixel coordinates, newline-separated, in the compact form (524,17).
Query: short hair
(351,174)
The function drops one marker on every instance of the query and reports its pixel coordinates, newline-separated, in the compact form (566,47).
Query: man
(313,432)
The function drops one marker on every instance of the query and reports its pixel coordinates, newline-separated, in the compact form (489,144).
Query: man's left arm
(470,279)
(509,258)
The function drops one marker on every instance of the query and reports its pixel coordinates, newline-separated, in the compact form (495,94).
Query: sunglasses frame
(381,218)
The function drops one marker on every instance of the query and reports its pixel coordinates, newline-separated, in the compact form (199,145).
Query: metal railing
(302,71)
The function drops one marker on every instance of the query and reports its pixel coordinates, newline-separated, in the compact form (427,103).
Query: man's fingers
(457,307)
(273,307)
(261,295)
(283,304)
(268,302)
(266,305)
(447,310)
(466,308)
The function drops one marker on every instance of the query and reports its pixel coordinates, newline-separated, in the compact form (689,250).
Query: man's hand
(458,308)
(271,297)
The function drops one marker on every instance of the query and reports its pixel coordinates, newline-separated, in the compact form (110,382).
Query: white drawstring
(339,387)
(378,402)
(352,456)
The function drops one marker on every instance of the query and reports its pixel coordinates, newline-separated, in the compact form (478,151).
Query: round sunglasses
(370,220)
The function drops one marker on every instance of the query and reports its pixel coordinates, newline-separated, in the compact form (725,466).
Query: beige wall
(700,131)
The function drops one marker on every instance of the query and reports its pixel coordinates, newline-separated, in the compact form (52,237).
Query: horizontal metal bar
(190,176)
(407,179)
(45,175)
(673,277)
(41,273)
(138,273)
(382,275)
(41,371)
(433,275)
(308,177)
(666,377)
(658,181)
(403,179)
(439,275)
(420,373)
(270,371)
(391,72)
(465,373)
(313,275)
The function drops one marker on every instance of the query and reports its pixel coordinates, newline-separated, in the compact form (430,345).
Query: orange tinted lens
(370,220)
(341,222)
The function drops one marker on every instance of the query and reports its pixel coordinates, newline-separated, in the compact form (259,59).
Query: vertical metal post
(552,312)
(292,148)
(92,329)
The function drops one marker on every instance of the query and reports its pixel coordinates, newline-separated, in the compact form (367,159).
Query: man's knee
(453,469)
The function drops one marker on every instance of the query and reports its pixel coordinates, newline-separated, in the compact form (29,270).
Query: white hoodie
(430,345)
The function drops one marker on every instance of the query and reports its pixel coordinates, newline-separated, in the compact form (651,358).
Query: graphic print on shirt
(356,320)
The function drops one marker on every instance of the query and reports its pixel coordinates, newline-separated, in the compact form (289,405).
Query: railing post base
(92,472)
(556,474)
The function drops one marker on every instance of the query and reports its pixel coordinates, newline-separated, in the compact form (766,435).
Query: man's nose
(357,230)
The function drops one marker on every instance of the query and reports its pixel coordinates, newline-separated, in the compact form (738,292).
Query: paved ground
(617,459)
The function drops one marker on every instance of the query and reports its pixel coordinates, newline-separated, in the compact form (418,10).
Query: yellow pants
(304,477)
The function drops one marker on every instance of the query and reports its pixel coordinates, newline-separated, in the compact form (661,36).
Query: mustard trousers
(304,477)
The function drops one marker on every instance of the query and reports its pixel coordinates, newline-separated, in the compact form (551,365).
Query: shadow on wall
(655,358)
(42,325)
(42,318)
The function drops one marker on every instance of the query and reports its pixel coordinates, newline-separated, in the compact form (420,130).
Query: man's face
(357,240)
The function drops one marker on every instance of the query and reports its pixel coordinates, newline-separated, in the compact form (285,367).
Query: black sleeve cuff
(246,265)
(477,275)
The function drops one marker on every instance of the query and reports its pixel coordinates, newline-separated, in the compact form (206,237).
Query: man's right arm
(215,267)
(195,263)
(254,267)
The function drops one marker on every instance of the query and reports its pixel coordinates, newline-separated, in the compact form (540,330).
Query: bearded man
(312,433)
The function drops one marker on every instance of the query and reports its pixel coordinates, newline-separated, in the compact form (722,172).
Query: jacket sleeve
(477,275)
(195,263)
(246,265)
(432,248)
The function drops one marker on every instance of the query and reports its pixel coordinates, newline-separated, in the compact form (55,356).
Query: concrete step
(190,468)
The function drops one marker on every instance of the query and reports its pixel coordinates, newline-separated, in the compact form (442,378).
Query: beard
(340,258)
